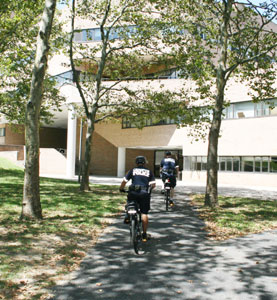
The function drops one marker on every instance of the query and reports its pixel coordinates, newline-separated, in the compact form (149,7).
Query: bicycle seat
(132,206)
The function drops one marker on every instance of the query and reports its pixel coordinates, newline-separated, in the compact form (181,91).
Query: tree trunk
(31,207)
(211,198)
(86,163)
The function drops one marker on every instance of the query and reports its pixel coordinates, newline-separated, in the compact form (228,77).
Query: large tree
(116,56)
(213,41)
(31,206)
(19,21)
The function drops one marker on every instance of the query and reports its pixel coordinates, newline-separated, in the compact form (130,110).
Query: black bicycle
(133,211)
(167,189)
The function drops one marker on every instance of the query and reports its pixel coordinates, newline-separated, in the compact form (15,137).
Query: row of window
(233,163)
(94,34)
(67,77)
(126,123)
(246,109)
(250,109)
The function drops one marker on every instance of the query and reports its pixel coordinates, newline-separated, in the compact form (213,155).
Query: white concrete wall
(240,137)
(52,162)
(12,156)
(243,179)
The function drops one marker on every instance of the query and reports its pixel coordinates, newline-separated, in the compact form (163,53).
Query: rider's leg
(144,204)
(173,184)
(163,180)
(171,193)
(144,219)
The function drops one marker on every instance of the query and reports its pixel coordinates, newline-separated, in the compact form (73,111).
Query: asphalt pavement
(179,262)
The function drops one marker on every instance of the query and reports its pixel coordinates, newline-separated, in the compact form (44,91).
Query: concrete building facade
(247,153)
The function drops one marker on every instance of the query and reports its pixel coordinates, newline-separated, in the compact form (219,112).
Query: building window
(265,164)
(244,110)
(126,123)
(2,131)
(247,164)
(258,164)
(253,164)
(222,163)
(249,109)
(273,164)
(94,34)
(236,164)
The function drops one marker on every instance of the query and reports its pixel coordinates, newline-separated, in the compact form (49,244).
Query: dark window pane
(236,164)
(247,164)
(257,164)
(265,164)
(222,163)
(229,163)
(273,164)
(198,164)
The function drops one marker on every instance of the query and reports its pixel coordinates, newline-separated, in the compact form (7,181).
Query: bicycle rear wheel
(167,196)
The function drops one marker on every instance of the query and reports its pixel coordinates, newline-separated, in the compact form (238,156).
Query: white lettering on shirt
(141,172)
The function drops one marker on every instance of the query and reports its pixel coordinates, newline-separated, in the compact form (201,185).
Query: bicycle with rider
(142,182)
(169,169)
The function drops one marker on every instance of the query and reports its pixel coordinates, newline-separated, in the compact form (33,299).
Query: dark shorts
(172,179)
(143,200)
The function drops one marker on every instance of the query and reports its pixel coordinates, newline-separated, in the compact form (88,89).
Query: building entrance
(159,155)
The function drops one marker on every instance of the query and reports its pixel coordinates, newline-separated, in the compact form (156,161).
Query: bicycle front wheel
(134,235)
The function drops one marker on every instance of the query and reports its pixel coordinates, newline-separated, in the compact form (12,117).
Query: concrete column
(121,157)
(71,143)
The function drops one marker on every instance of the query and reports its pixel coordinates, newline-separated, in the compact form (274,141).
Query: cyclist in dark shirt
(143,181)
(169,169)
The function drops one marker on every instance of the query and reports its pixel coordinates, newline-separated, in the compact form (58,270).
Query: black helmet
(167,153)
(140,160)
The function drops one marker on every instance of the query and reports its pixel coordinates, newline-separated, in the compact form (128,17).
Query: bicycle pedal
(146,238)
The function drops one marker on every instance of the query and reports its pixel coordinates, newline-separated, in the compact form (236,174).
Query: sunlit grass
(35,254)
(237,216)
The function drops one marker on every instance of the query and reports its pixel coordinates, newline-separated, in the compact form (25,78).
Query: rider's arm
(177,171)
(152,182)
(161,165)
(124,181)
(122,186)
(153,185)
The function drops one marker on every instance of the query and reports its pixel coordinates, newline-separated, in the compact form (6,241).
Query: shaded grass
(35,255)
(236,216)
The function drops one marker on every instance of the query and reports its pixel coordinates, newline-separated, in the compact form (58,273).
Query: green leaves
(19,26)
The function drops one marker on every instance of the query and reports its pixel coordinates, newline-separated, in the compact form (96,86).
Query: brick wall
(19,149)
(131,155)
(15,135)
(49,137)
(104,157)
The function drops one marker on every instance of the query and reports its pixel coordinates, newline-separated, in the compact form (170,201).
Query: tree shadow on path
(177,263)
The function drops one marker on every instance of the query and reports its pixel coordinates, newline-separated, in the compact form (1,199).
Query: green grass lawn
(236,216)
(35,255)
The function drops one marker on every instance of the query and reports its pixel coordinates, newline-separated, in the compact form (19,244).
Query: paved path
(177,263)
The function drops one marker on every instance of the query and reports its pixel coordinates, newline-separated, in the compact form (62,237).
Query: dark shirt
(140,176)
(168,163)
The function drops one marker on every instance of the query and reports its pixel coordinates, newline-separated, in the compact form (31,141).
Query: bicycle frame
(135,224)
(167,188)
